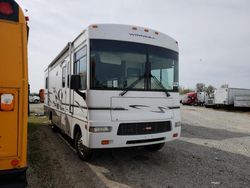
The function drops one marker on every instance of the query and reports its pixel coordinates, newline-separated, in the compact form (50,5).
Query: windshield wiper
(139,79)
(160,84)
(132,85)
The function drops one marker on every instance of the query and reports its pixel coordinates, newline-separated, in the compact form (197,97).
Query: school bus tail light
(14,162)
(175,135)
(9,10)
(7,102)
(6,8)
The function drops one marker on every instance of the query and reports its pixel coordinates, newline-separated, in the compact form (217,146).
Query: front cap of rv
(132,34)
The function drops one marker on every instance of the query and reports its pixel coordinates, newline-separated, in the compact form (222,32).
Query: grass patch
(40,165)
(35,122)
(36,155)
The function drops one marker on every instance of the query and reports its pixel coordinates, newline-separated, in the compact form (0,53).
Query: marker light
(157,33)
(94,26)
(6,8)
(14,162)
(105,142)
(175,135)
(146,30)
(7,102)
(134,28)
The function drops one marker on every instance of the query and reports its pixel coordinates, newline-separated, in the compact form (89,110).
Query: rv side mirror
(75,82)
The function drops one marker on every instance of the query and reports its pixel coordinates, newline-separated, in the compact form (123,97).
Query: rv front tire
(83,152)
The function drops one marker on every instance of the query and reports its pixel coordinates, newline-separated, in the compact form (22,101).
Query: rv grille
(144,128)
(144,141)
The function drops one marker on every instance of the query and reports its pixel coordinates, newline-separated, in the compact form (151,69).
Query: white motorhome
(115,86)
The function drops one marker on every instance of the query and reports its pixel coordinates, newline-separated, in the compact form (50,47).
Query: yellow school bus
(13,94)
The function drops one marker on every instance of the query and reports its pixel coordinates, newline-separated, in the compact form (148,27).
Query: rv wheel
(154,147)
(83,152)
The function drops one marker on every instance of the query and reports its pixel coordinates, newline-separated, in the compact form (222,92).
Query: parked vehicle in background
(228,97)
(242,101)
(201,98)
(13,95)
(41,95)
(209,100)
(115,86)
(34,99)
(190,98)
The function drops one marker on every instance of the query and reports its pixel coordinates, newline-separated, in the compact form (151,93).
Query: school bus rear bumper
(13,178)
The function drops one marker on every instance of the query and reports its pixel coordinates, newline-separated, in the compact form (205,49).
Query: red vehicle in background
(190,99)
(41,95)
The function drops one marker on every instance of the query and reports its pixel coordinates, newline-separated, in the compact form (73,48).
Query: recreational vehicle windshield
(115,86)
(119,64)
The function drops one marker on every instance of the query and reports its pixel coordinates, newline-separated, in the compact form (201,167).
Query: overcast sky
(213,35)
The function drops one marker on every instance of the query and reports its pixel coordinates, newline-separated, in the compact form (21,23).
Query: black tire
(154,147)
(83,152)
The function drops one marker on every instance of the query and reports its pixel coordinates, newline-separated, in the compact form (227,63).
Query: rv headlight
(99,129)
(177,124)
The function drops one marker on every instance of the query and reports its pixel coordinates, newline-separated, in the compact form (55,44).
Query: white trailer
(115,86)
(227,96)
(242,101)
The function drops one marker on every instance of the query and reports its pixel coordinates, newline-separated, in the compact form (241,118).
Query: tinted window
(80,65)
(63,76)
(120,64)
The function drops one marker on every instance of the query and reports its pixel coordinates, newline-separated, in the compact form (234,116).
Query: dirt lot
(214,151)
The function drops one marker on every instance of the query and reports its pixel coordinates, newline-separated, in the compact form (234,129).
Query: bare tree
(200,87)
(210,89)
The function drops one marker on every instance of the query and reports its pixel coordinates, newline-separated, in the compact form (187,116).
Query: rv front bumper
(113,140)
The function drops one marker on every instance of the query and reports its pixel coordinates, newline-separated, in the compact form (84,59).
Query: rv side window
(63,76)
(46,83)
(68,72)
(80,65)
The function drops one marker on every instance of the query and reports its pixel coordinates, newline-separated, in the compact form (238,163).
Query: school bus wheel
(83,152)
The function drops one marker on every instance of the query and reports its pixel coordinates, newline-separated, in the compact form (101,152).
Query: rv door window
(80,65)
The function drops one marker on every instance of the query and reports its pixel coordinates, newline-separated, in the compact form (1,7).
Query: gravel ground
(214,151)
